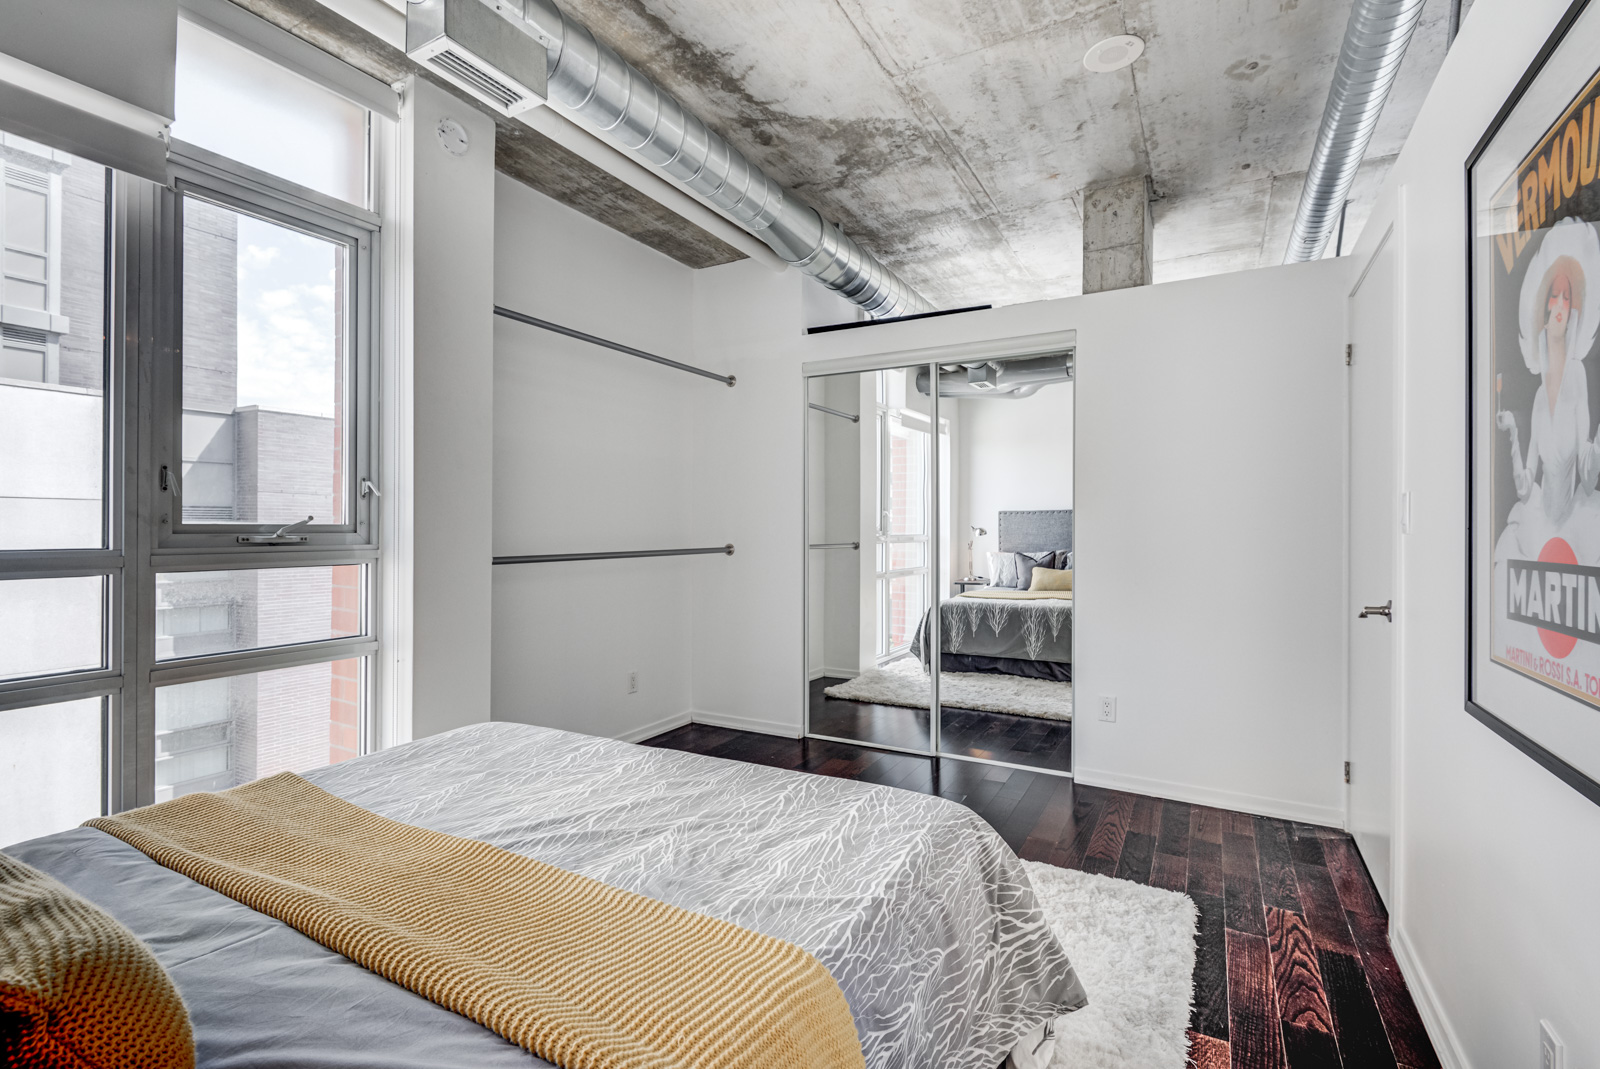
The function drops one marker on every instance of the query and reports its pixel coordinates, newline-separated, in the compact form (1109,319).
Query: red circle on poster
(1556,551)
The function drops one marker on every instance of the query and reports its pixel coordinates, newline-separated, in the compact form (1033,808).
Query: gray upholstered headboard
(1035,531)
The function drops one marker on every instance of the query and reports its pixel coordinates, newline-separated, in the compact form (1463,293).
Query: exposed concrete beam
(521,152)
(1117,230)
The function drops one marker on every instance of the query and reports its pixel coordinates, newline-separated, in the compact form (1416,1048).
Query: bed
(1005,630)
(919,910)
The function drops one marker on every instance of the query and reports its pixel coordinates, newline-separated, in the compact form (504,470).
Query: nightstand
(962,584)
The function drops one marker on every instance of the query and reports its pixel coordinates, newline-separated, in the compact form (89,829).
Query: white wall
(592,453)
(1011,455)
(1497,863)
(452,396)
(1209,510)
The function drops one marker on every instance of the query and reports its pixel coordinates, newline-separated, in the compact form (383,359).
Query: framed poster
(1533,621)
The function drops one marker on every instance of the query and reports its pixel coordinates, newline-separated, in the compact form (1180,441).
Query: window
(902,543)
(225,647)
(266,355)
(59,579)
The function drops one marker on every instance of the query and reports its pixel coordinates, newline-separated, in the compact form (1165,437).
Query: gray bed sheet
(918,909)
(1024,630)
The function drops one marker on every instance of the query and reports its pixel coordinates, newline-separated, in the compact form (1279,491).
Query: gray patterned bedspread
(994,627)
(917,908)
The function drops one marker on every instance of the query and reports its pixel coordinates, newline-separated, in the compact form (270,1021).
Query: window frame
(236,187)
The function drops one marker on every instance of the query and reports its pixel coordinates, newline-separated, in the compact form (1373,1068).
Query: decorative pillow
(77,989)
(1051,579)
(1003,570)
(1027,562)
(1063,559)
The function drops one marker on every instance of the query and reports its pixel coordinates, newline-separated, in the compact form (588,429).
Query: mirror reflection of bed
(1003,573)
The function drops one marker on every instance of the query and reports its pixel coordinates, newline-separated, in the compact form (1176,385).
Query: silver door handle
(1386,610)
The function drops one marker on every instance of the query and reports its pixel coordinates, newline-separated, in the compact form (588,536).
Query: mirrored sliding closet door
(1006,616)
(939,560)
(869,557)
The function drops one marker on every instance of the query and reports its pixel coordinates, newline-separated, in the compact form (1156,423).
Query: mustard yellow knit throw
(582,974)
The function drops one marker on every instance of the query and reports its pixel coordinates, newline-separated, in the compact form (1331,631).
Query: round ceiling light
(1113,53)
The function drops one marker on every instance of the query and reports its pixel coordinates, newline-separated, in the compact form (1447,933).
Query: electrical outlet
(1108,708)
(633,682)
(1552,1052)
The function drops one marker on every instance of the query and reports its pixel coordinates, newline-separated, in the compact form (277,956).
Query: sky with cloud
(286,319)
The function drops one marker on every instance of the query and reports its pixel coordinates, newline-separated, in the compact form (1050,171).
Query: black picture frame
(1562,769)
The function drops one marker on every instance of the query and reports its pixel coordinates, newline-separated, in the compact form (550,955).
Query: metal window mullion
(59,565)
(49,690)
(222,560)
(935,641)
(249,662)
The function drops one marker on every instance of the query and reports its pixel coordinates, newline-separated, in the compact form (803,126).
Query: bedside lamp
(972,564)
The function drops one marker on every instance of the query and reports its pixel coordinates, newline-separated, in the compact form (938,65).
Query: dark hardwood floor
(1021,740)
(1293,968)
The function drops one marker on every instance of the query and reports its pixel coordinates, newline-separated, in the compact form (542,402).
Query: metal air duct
(1375,41)
(589,81)
(1014,379)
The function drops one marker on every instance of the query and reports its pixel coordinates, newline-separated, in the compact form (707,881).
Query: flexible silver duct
(590,81)
(1374,43)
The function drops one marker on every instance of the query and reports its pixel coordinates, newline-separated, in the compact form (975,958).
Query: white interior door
(1374,528)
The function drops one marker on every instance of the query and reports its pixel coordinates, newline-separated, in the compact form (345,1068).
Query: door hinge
(1349,354)
(1347,771)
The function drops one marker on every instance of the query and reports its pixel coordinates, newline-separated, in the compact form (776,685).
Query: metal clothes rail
(836,545)
(545,324)
(547,558)
(835,412)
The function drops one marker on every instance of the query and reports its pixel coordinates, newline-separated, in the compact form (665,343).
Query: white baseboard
(1445,1041)
(836,673)
(1330,816)
(650,730)
(745,723)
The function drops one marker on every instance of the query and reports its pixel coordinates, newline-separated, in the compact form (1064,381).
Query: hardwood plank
(1054,820)
(1209,1017)
(1241,884)
(1070,854)
(1138,857)
(1304,845)
(1350,877)
(1146,816)
(1407,1036)
(1205,824)
(1025,815)
(1307,1048)
(1296,975)
(1170,873)
(1279,888)
(1357,1024)
(1238,823)
(1207,1052)
(1330,929)
(1106,845)
(1255,1039)
(1176,818)
(1205,868)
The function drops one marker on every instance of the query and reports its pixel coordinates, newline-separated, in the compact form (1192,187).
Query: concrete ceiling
(953,137)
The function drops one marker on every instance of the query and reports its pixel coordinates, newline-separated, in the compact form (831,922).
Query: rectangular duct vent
(494,57)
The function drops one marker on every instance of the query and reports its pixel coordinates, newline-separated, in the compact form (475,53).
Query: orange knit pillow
(77,989)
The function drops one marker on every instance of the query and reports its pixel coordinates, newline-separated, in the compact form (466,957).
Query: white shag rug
(903,682)
(1133,947)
